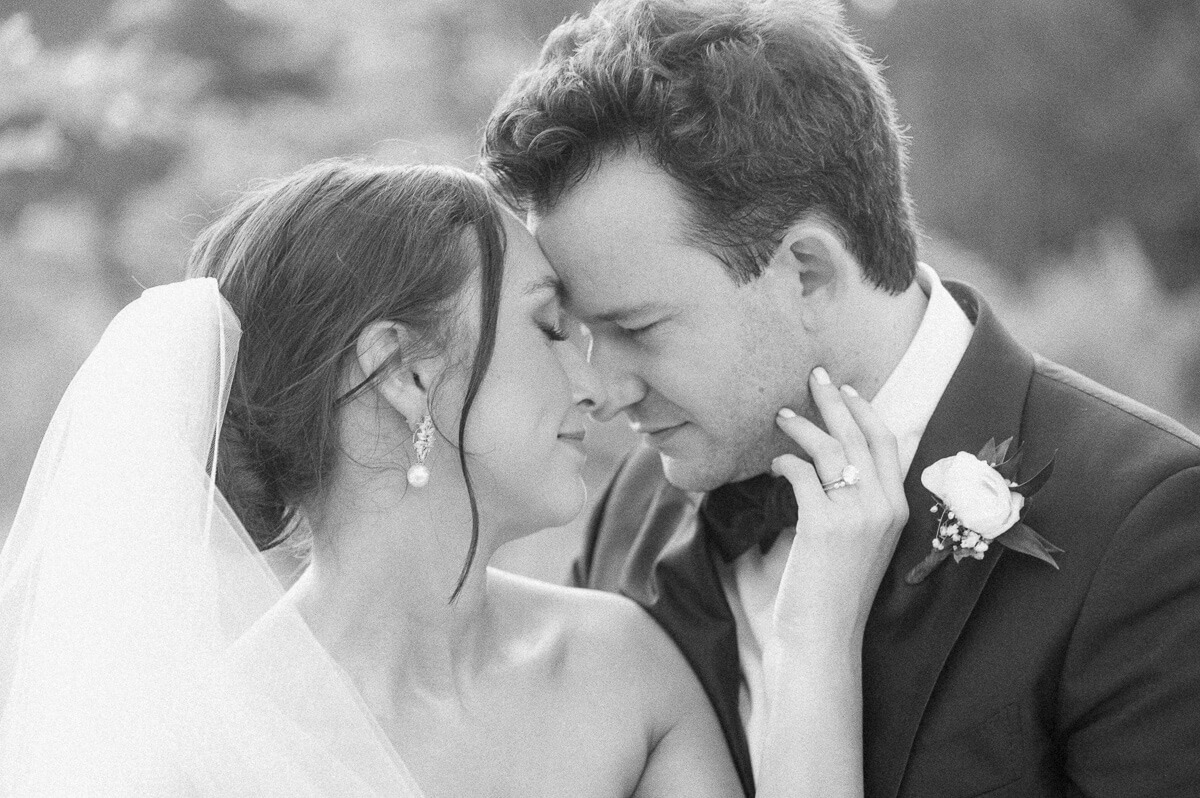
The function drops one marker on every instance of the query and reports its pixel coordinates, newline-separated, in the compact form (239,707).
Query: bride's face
(525,433)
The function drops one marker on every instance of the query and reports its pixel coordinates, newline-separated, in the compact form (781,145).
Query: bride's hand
(845,536)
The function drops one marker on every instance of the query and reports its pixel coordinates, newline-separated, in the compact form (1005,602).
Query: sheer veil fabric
(144,649)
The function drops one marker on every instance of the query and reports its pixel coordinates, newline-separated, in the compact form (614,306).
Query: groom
(721,187)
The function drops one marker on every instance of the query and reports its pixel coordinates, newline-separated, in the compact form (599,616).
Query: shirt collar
(910,395)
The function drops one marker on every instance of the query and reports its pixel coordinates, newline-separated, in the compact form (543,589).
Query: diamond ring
(850,476)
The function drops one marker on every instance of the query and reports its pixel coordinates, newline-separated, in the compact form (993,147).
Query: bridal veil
(144,649)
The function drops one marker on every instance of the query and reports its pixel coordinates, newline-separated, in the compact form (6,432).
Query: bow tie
(741,514)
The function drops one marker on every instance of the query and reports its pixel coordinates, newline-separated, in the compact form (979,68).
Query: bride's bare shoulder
(607,664)
(600,636)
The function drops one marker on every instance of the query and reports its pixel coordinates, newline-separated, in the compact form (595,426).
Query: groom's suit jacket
(1000,677)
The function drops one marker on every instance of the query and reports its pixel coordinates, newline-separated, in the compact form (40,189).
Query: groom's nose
(621,386)
(587,388)
(620,395)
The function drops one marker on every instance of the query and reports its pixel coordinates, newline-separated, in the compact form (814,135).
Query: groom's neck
(882,327)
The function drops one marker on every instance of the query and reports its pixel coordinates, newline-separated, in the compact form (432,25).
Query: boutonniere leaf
(978,502)
(1023,539)
(1035,483)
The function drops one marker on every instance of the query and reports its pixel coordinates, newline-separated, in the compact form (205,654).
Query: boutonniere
(979,503)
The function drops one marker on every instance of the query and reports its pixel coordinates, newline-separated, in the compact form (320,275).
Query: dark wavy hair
(307,262)
(764,111)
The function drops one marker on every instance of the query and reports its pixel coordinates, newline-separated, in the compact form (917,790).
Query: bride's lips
(574,438)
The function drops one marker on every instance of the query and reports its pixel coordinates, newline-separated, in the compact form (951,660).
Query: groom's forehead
(613,284)
(620,240)
(589,289)
(624,205)
(598,307)
(630,285)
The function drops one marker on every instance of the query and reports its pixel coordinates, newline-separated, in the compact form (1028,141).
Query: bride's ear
(387,349)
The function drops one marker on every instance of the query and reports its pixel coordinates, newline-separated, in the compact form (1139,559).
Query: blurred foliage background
(1055,162)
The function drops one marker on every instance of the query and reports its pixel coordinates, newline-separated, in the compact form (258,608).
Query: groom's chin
(694,474)
(705,471)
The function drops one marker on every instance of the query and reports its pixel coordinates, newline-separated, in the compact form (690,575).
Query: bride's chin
(565,505)
(580,502)
(561,506)
(554,499)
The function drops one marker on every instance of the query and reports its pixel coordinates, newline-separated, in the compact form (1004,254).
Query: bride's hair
(307,262)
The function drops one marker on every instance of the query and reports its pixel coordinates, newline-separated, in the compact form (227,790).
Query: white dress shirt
(906,403)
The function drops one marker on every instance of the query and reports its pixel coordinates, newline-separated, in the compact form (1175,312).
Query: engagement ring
(849,477)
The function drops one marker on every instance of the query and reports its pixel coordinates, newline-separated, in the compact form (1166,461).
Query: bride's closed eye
(552,321)
(556,331)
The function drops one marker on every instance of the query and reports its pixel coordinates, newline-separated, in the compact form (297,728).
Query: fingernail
(849,390)
(822,375)
(787,412)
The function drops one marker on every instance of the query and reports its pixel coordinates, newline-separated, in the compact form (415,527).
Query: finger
(827,453)
(837,417)
(804,479)
(885,450)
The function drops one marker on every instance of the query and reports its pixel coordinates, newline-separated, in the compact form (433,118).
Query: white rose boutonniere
(975,494)
(978,503)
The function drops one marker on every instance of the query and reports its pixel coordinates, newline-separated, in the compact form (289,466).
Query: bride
(372,366)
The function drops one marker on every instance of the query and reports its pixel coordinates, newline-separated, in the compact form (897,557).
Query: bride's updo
(307,262)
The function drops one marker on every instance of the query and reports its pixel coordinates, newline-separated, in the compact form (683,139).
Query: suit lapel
(670,572)
(912,628)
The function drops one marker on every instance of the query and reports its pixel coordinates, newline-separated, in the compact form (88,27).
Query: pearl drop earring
(418,473)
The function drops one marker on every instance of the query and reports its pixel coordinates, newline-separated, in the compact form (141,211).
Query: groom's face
(698,364)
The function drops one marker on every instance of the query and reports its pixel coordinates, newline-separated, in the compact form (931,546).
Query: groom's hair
(764,111)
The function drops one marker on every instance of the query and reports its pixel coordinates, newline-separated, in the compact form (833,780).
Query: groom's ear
(387,351)
(813,251)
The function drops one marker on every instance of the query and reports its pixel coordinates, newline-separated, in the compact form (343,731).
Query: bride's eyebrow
(548,283)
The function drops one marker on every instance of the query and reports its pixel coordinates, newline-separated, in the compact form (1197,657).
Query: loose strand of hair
(491,276)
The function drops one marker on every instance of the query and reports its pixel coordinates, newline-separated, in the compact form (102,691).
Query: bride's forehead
(524,262)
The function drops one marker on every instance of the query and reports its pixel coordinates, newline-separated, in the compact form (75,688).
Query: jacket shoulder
(1086,412)
(618,518)
(1111,456)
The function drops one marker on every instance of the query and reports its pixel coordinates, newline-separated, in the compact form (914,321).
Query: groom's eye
(640,329)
